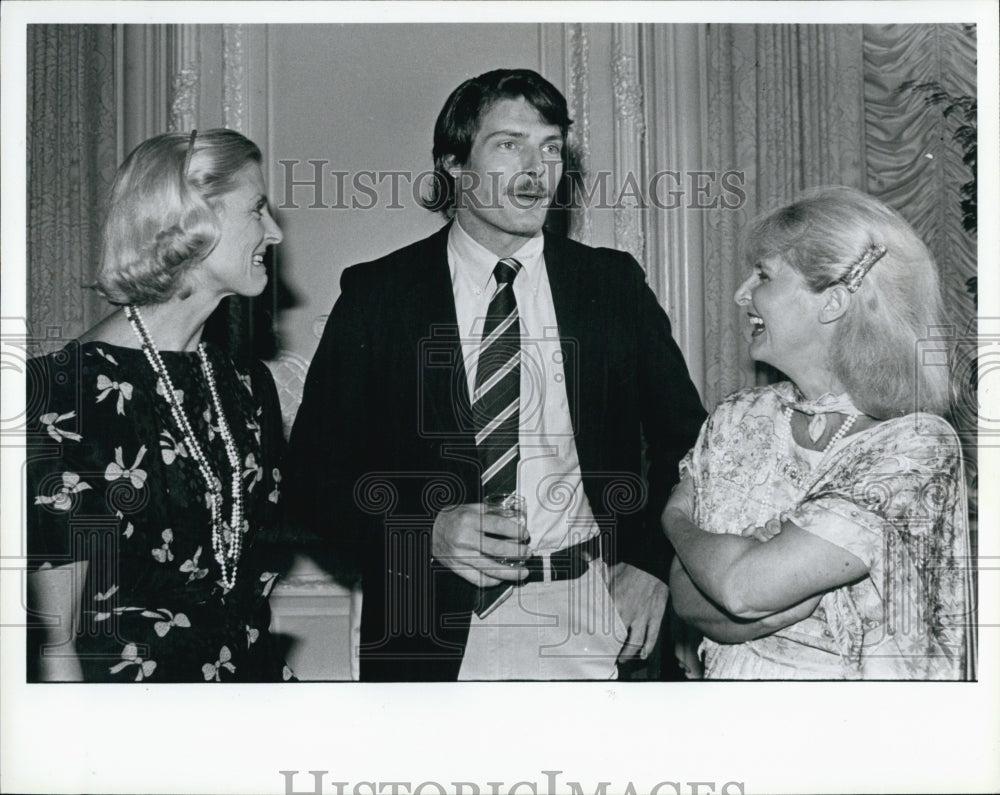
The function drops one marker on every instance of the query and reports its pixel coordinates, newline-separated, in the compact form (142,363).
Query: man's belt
(564,564)
(569,563)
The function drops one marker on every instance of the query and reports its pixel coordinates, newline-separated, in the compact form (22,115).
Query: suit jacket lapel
(445,406)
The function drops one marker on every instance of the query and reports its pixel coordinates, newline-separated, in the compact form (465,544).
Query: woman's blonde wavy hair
(895,310)
(161,219)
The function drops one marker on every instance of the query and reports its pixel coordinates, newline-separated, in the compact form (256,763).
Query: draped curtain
(71,151)
(794,106)
(784,109)
(915,165)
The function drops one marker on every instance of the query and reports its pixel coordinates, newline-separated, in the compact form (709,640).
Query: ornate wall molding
(234,77)
(185,82)
(184,106)
(630,139)
(179,77)
(176,77)
(629,95)
(577,68)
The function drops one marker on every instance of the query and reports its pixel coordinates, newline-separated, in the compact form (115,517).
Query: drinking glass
(510,506)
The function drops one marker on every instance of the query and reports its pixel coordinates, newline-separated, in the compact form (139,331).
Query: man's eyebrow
(521,134)
(508,134)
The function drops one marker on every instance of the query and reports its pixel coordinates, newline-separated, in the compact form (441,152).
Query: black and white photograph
(499,397)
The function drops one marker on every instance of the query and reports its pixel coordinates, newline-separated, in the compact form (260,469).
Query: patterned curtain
(784,108)
(917,81)
(71,150)
(916,77)
(913,162)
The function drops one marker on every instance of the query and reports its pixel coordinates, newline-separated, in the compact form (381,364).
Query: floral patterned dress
(893,495)
(110,482)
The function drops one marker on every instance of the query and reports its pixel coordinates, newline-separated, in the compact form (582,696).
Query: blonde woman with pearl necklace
(820,524)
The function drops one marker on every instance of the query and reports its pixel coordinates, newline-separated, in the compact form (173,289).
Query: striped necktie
(496,399)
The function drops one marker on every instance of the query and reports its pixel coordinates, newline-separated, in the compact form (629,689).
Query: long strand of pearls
(227,550)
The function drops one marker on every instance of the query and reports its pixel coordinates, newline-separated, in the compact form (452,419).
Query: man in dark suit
(492,358)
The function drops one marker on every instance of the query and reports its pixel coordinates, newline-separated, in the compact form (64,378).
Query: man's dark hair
(459,121)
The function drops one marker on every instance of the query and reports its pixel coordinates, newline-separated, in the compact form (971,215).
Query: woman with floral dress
(152,457)
(820,524)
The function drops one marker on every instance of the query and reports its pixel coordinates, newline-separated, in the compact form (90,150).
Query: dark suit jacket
(384,438)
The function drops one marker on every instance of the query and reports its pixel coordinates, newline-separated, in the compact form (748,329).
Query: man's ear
(838,298)
(451,165)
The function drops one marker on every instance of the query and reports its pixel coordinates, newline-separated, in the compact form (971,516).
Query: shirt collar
(477,262)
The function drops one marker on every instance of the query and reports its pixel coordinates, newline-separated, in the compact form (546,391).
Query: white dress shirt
(548,475)
(553,630)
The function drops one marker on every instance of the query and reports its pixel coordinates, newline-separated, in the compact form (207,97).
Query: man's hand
(640,599)
(471,543)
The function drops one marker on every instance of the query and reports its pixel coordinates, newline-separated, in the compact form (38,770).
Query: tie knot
(506,269)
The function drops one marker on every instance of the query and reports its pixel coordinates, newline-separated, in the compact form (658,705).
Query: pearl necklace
(842,431)
(227,551)
(766,510)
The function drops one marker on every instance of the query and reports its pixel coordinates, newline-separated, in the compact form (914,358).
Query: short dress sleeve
(899,482)
(63,484)
(896,500)
(846,524)
(731,461)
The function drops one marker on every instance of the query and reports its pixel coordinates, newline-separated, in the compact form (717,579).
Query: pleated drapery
(796,106)
(785,110)
(71,154)
(913,161)
(915,165)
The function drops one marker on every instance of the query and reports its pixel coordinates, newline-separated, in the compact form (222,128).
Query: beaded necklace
(766,507)
(226,544)
(842,431)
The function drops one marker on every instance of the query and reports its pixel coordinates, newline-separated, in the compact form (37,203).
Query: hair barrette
(853,278)
(190,151)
